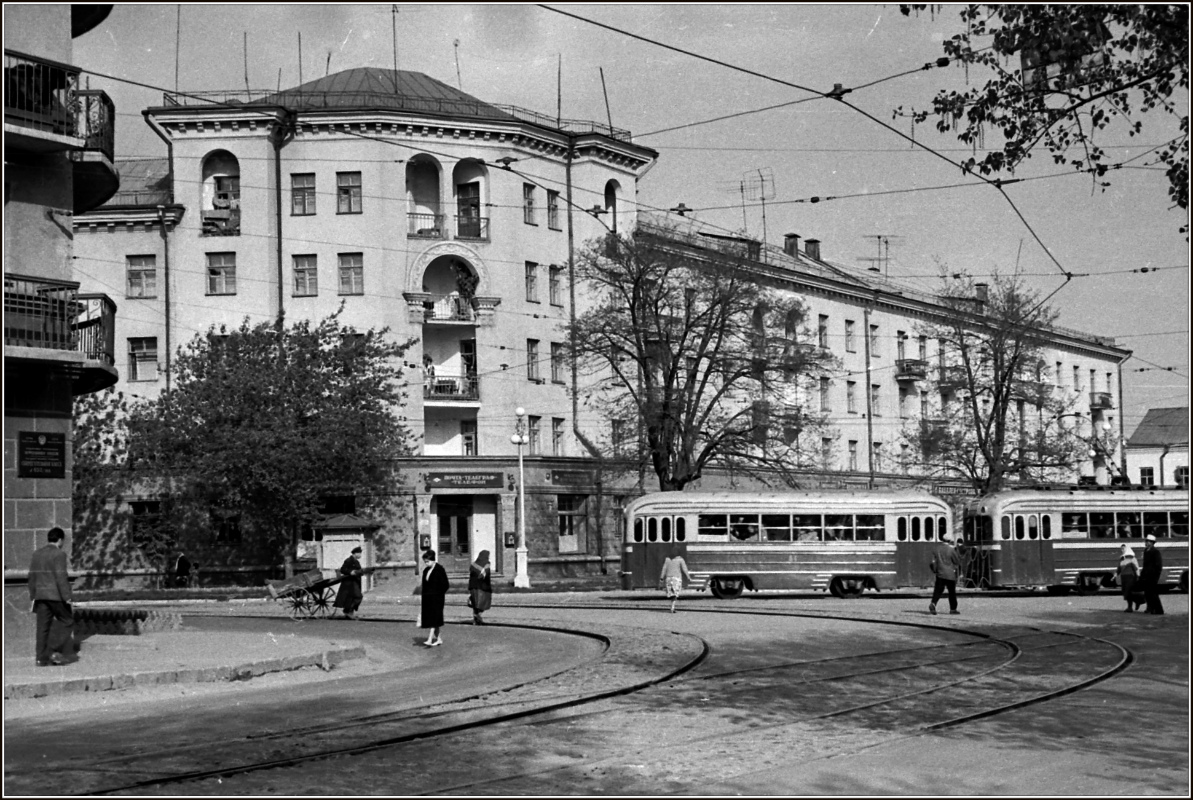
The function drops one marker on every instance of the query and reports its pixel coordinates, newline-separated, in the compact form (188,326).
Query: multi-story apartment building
(455,221)
(1158,450)
(58,342)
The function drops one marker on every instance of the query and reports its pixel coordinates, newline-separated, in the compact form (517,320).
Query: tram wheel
(847,587)
(727,588)
(1088,586)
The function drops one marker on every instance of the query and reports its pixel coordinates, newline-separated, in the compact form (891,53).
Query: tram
(1068,537)
(842,542)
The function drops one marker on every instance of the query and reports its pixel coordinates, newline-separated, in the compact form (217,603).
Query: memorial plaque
(41,455)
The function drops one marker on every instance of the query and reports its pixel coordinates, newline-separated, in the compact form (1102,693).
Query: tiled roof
(1161,426)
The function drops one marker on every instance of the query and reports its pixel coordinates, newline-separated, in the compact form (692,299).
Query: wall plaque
(41,455)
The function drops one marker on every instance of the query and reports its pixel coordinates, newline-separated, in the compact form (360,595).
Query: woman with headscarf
(1128,573)
(675,573)
(480,587)
(434,593)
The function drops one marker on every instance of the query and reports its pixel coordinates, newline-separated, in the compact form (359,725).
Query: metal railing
(449,308)
(910,369)
(452,387)
(96,121)
(425,226)
(51,314)
(40,94)
(1101,401)
(145,197)
(95,328)
(472,228)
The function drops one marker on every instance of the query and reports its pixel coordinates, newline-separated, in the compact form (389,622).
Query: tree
(681,350)
(1083,69)
(265,422)
(100,482)
(999,418)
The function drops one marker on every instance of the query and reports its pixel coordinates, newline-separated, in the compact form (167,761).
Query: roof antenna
(608,113)
(395,27)
(327,69)
(246,65)
(459,83)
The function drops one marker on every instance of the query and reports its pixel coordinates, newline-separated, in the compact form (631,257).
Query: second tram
(842,542)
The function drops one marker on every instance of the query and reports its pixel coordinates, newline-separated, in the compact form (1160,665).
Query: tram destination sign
(41,455)
(464,480)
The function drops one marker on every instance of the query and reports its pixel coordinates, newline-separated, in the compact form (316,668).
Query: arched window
(612,193)
(220,205)
(424,212)
(470,180)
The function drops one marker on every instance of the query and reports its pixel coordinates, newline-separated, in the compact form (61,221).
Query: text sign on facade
(41,455)
(571,478)
(464,480)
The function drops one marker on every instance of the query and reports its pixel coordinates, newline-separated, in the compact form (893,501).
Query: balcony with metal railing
(1100,401)
(95,177)
(911,369)
(40,102)
(425,226)
(452,388)
(448,308)
(474,229)
(42,314)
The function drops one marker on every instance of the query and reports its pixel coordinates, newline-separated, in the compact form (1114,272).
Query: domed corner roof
(346,522)
(366,88)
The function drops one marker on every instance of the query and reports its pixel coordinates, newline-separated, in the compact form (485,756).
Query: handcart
(306,595)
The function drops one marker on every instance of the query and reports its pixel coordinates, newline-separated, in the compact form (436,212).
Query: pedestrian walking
(350,593)
(480,587)
(946,565)
(1128,574)
(49,596)
(434,593)
(675,574)
(1149,576)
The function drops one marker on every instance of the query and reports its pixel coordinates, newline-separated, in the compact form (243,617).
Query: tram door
(915,539)
(455,531)
(650,541)
(1025,557)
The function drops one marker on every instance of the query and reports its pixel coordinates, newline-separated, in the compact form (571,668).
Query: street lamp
(521,576)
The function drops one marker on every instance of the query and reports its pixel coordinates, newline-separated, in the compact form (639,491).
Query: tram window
(871,527)
(1074,525)
(838,527)
(1101,525)
(915,529)
(638,529)
(777,527)
(1006,527)
(1019,532)
(652,529)
(1180,524)
(680,529)
(1033,527)
(666,529)
(928,529)
(806,527)
(744,527)
(1046,526)
(1155,523)
(942,526)
(1129,525)
(712,525)
(901,529)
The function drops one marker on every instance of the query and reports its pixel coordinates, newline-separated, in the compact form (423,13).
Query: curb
(325,659)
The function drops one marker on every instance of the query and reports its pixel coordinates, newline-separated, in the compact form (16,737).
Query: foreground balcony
(1100,401)
(95,177)
(911,369)
(425,226)
(40,104)
(452,388)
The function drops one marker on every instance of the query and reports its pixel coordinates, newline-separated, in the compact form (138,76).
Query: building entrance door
(454,514)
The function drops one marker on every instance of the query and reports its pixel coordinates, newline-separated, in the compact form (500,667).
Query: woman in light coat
(1128,574)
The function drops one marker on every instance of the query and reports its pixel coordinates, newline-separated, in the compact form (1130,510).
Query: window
(556,436)
(876,457)
(873,340)
(555,284)
(1093,380)
(1182,477)
(875,406)
(923,348)
(142,276)
(1076,378)
(900,345)
(553,210)
(221,273)
(142,359)
(1110,382)
(528,204)
(302,194)
(306,276)
(532,360)
(352,273)
(535,428)
(146,521)
(348,195)
(923,404)
(1147,476)
(826,450)
(824,404)
(1059,373)
(617,437)
(557,363)
(850,346)
(226,525)
(853,455)
(468,437)
(573,523)
(904,403)
(822,331)
(851,396)
(904,457)
(532,282)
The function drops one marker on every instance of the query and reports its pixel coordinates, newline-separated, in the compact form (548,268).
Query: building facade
(456,222)
(1158,450)
(58,340)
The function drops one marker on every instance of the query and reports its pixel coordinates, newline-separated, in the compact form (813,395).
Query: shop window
(573,523)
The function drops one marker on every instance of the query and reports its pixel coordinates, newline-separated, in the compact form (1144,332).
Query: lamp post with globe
(521,576)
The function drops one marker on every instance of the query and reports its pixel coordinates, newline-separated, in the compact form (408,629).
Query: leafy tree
(1084,69)
(265,421)
(1001,417)
(100,481)
(694,360)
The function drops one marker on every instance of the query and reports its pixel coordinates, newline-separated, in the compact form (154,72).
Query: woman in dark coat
(480,587)
(434,593)
(1149,576)
(350,594)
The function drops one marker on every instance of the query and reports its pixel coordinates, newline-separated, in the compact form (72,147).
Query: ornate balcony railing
(95,328)
(911,369)
(50,314)
(452,387)
(425,226)
(448,308)
(96,121)
(40,94)
(472,228)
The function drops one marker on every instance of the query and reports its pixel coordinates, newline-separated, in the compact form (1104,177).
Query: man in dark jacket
(350,593)
(1149,576)
(946,563)
(49,593)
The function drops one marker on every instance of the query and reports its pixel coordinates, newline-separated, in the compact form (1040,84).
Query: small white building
(1158,450)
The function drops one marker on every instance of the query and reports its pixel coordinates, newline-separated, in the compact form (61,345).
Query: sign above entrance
(570,478)
(464,480)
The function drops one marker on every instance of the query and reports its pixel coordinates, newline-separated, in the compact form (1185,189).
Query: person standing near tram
(1149,576)
(946,564)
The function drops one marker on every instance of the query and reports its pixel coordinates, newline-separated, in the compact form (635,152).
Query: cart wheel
(321,602)
(298,604)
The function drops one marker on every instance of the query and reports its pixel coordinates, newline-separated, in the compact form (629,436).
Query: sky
(540,59)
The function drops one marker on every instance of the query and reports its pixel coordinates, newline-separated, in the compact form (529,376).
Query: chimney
(812,249)
(981,292)
(791,244)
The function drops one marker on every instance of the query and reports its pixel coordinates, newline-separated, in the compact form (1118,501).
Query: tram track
(410,728)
